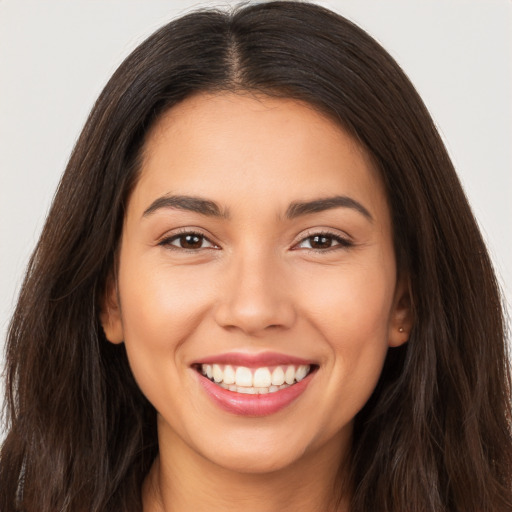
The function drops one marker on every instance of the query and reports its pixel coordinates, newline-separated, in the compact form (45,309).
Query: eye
(189,241)
(323,241)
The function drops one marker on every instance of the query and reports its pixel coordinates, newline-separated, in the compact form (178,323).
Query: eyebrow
(294,210)
(297,209)
(188,203)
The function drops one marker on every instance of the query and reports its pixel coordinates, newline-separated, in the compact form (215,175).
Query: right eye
(189,241)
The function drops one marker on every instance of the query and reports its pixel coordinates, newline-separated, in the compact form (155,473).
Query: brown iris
(191,241)
(320,242)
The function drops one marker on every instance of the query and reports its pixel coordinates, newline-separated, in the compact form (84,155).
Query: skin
(254,284)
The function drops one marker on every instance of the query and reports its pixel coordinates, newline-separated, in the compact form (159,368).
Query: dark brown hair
(436,433)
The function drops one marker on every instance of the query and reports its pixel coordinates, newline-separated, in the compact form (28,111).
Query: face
(257,291)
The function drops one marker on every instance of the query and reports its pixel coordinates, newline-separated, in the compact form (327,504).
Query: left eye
(322,241)
(190,241)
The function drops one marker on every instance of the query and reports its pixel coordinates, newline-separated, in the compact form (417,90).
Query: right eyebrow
(188,203)
(299,208)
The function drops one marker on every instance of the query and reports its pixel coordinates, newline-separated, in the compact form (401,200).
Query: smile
(252,381)
(254,385)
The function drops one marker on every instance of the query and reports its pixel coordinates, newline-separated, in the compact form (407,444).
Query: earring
(400,329)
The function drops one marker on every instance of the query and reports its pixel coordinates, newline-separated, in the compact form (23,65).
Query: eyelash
(341,242)
(167,242)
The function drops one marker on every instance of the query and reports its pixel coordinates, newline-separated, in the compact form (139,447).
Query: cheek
(352,314)
(162,304)
(160,308)
(352,302)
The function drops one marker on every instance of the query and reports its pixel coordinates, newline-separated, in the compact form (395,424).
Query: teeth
(218,374)
(229,375)
(301,372)
(278,376)
(243,376)
(246,391)
(252,391)
(256,381)
(262,378)
(289,375)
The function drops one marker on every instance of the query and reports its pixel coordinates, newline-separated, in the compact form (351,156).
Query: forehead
(236,148)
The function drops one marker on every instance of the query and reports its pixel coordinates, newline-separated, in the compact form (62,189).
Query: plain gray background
(55,57)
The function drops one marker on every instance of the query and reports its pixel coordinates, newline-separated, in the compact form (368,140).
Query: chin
(264,449)
(253,461)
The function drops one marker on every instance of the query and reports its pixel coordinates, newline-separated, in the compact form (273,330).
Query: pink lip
(253,405)
(253,360)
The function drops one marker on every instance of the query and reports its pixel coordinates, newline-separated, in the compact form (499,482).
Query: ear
(110,315)
(401,320)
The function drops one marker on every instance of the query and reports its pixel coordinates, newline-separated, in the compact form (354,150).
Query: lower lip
(254,405)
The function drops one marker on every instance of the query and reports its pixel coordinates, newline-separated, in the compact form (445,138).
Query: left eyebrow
(187,203)
(298,208)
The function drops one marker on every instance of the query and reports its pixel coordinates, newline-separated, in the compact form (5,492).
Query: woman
(261,286)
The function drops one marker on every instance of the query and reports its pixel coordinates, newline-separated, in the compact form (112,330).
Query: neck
(182,480)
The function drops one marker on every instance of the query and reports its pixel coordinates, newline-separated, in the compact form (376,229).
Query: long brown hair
(436,433)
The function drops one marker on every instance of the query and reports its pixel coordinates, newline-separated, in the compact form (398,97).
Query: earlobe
(401,320)
(110,315)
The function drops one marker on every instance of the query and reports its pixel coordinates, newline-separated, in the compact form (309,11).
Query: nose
(254,297)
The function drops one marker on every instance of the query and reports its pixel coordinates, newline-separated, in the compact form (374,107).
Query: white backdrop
(56,55)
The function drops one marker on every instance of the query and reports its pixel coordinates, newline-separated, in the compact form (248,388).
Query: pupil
(191,241)
(321,242)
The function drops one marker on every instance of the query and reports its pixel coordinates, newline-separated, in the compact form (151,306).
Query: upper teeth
(255,377)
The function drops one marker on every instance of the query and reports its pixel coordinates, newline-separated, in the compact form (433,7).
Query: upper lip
(254,360)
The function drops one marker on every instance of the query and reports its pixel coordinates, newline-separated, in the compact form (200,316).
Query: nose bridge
(255,297)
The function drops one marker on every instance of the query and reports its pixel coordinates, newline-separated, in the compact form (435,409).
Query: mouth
(255,381)
(245,388)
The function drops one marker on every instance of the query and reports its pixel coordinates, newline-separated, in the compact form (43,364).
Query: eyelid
(165,240)
(343,239)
